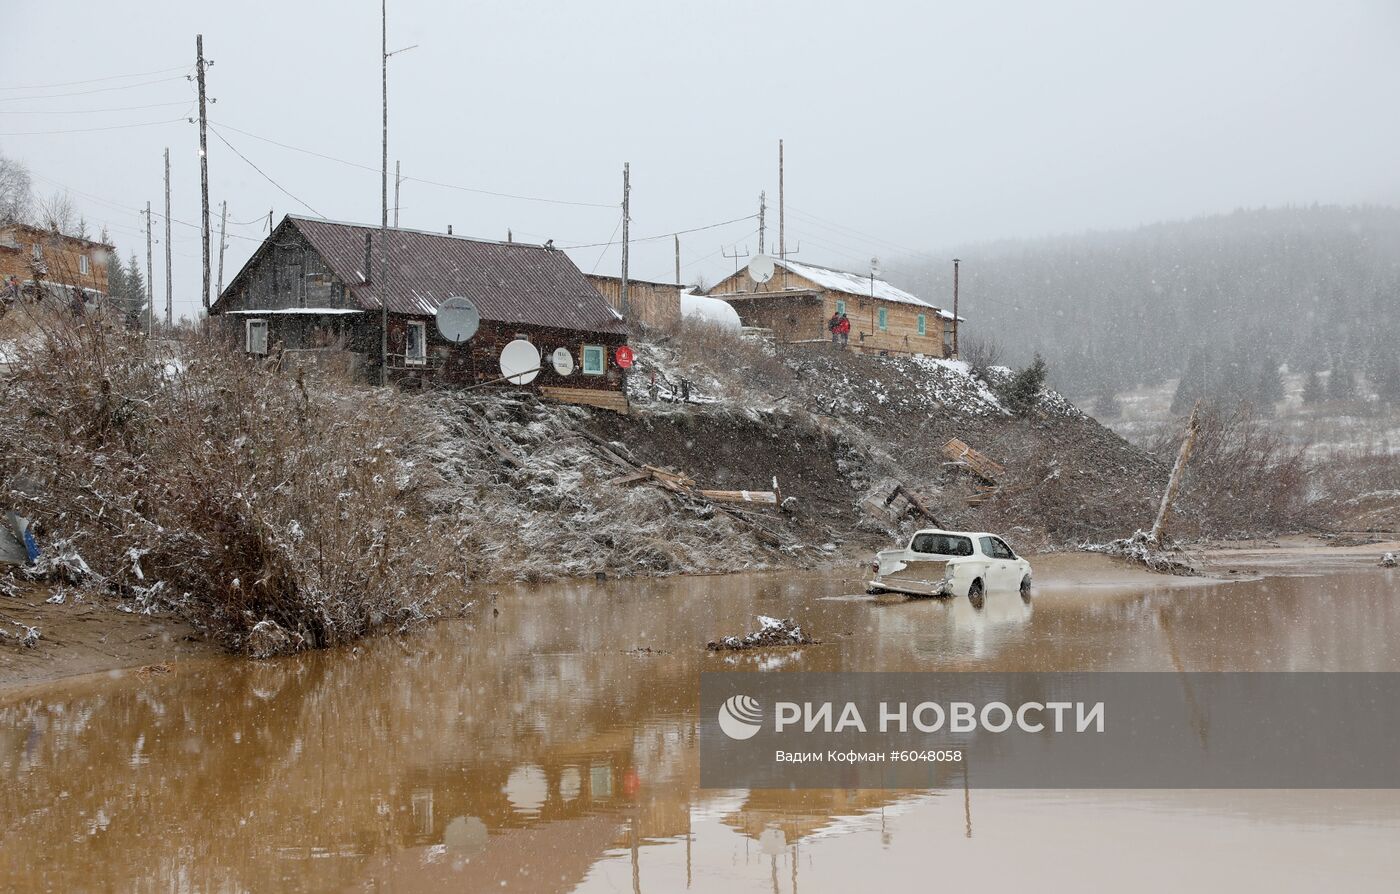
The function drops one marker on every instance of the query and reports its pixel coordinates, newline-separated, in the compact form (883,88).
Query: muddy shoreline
(83,636)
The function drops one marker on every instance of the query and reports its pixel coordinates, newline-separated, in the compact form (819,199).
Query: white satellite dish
(761,268)
(563,361)
(458,319)
(520,362)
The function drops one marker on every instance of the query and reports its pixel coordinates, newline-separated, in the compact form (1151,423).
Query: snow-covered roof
(852,283)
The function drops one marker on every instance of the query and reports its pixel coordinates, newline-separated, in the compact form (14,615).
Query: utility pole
(955,307)
(150,280)
(384,197)
(223,243)
(678,258)
(626,218)
(203,162)
(398,181)
(762,218)
(169,275)
(782,218)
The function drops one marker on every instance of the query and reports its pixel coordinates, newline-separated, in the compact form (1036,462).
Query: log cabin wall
(478,361)
(653,303)
(60,259)
(801,316)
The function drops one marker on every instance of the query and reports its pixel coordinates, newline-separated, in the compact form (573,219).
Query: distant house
(34,259)
(312,284)
(652,303)
(800,298)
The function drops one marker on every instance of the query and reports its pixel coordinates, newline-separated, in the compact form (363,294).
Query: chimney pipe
(449,229)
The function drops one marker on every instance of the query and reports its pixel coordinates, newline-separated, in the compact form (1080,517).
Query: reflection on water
(537,750)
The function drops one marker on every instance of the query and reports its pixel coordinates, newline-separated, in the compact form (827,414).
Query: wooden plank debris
(592,397)
(978,463)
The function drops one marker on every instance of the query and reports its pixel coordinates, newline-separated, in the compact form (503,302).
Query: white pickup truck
(951,563)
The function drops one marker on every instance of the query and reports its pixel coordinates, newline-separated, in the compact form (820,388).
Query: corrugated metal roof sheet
(510,282)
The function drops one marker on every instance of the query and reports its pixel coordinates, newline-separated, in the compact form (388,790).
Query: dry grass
(271,515)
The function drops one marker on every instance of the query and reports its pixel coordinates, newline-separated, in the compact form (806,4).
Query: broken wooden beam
(980,464)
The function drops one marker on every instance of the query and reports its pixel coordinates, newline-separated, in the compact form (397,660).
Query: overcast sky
(909,126)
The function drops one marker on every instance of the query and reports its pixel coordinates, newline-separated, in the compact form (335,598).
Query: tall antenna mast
(398,181)
(626,219)
(169,275)
(782,217)
(203,162)
(762,217)
(955,306)
(223,243)
(150,280)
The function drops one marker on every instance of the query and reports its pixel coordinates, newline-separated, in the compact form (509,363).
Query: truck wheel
(1026,589)
(976,595)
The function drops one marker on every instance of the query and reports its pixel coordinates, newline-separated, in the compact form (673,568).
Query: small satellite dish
(761,268)
(563,361)
(520,362)
(457,319)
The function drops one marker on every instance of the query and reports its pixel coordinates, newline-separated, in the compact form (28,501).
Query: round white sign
(457,319)
(563,361)
(520,362)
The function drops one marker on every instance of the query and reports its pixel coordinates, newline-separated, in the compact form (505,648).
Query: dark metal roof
(510,282)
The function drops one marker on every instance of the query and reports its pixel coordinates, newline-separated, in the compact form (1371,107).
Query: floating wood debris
(977,463)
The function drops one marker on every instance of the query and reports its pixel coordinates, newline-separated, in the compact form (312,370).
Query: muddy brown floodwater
(543,749)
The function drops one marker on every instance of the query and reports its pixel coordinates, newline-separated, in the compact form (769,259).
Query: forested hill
(1315,288)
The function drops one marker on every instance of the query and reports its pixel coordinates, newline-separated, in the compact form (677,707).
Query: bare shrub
(192,478)
(1243,475)
(980,352)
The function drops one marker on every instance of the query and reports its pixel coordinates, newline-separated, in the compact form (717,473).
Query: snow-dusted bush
(189,477)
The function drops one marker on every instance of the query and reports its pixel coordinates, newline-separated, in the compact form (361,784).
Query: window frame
(923,324)
(36,251)
(601,352)
(882,318)
(840,306)
(248,326)
(421,358)
(84,265)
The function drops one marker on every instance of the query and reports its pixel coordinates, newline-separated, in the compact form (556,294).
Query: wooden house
(651,303)
(312,285)
(800,298)
(35,259)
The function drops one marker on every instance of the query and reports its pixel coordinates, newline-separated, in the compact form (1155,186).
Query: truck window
(942,544)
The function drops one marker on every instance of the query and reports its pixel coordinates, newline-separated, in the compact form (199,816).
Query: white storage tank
(709,310)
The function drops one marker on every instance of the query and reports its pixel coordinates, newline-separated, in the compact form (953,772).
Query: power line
(139,74)
(438,183)
(265,176)
(668,235)
(89,92)
(40,133)
(604,252)
(157,105)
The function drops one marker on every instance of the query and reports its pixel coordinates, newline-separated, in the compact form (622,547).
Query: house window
(840,306)
(594,359)
(83,266)
(884,320)
(256,337)
(923,325)
(37,251)
(415,346)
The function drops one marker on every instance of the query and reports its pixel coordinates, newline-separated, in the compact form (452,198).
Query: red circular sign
(624,357)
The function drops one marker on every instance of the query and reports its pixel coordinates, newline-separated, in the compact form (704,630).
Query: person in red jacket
(841,334)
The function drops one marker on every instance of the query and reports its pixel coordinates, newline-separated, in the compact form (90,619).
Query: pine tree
(1312,388)
(1106,405)
(1387,382)
(1192,386)
(1268,389)
(133,297)
(1341,383)
(1022,391)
